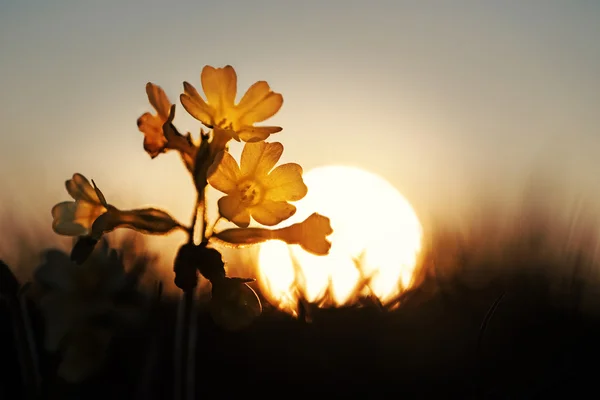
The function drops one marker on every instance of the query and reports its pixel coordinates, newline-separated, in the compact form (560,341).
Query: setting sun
(376,234)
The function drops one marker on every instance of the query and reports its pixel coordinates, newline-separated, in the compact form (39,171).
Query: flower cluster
(254,189)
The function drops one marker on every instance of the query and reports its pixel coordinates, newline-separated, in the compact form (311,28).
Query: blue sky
(440,98)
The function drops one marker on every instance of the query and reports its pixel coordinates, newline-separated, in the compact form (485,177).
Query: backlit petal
(231,207)
(311,234)
(195,105)
(224,173)
(259,158)
(257,133)
(258,104)
(159,100)
(75,219)
(271,213)
(285,183)
(220,86)
(81,189)
(154,138)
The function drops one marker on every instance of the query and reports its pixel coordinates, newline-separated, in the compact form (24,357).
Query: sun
(376,233)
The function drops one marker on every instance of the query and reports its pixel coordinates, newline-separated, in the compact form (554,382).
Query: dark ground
(535,345)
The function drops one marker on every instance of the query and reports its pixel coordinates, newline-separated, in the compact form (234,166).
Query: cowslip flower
(159,133)
(252,189)
(219,111)
(75,218)
(310,234)
(152,125)
(91,215)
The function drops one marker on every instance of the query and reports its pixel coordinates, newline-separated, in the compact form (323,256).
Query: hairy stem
(186,335)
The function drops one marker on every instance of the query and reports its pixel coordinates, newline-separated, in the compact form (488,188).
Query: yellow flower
(75,218)
(220,111)
(152,125)
(253,189)
(91,215)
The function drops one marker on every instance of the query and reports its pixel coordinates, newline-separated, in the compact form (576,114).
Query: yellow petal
(154,138)
(81,189)
(271,213)
(195,105)
(224,173)
(258,104)
(285,183)
(257,133)
(231,207)
(158,99)
(310,234)
(220,86)
(259,158)
(75,219)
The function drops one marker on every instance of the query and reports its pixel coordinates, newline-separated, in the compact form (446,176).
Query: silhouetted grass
(498,310)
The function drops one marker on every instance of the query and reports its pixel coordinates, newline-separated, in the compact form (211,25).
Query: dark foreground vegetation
(473,330)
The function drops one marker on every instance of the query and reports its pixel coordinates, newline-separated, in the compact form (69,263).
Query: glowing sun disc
(370,219)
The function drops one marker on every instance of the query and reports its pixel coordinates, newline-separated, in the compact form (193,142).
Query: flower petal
(259,158)
(81,189)
(75,219)
(285,183)
(231,207)
(220,86)
(257,133)
(224,173)
(271,213)
(158,99)
(258,104)
(195,105)
(152,128)
(310,234)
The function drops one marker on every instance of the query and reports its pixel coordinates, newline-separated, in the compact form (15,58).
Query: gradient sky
(441,98)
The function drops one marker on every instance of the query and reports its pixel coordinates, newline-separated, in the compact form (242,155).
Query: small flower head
(152,125)
(219,110)
(234,304)
(252,189)
(90,216)
(75,218)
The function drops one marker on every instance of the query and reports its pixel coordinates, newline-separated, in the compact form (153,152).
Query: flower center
(251,192)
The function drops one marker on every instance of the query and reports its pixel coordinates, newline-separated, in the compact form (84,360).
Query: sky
(443,99)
